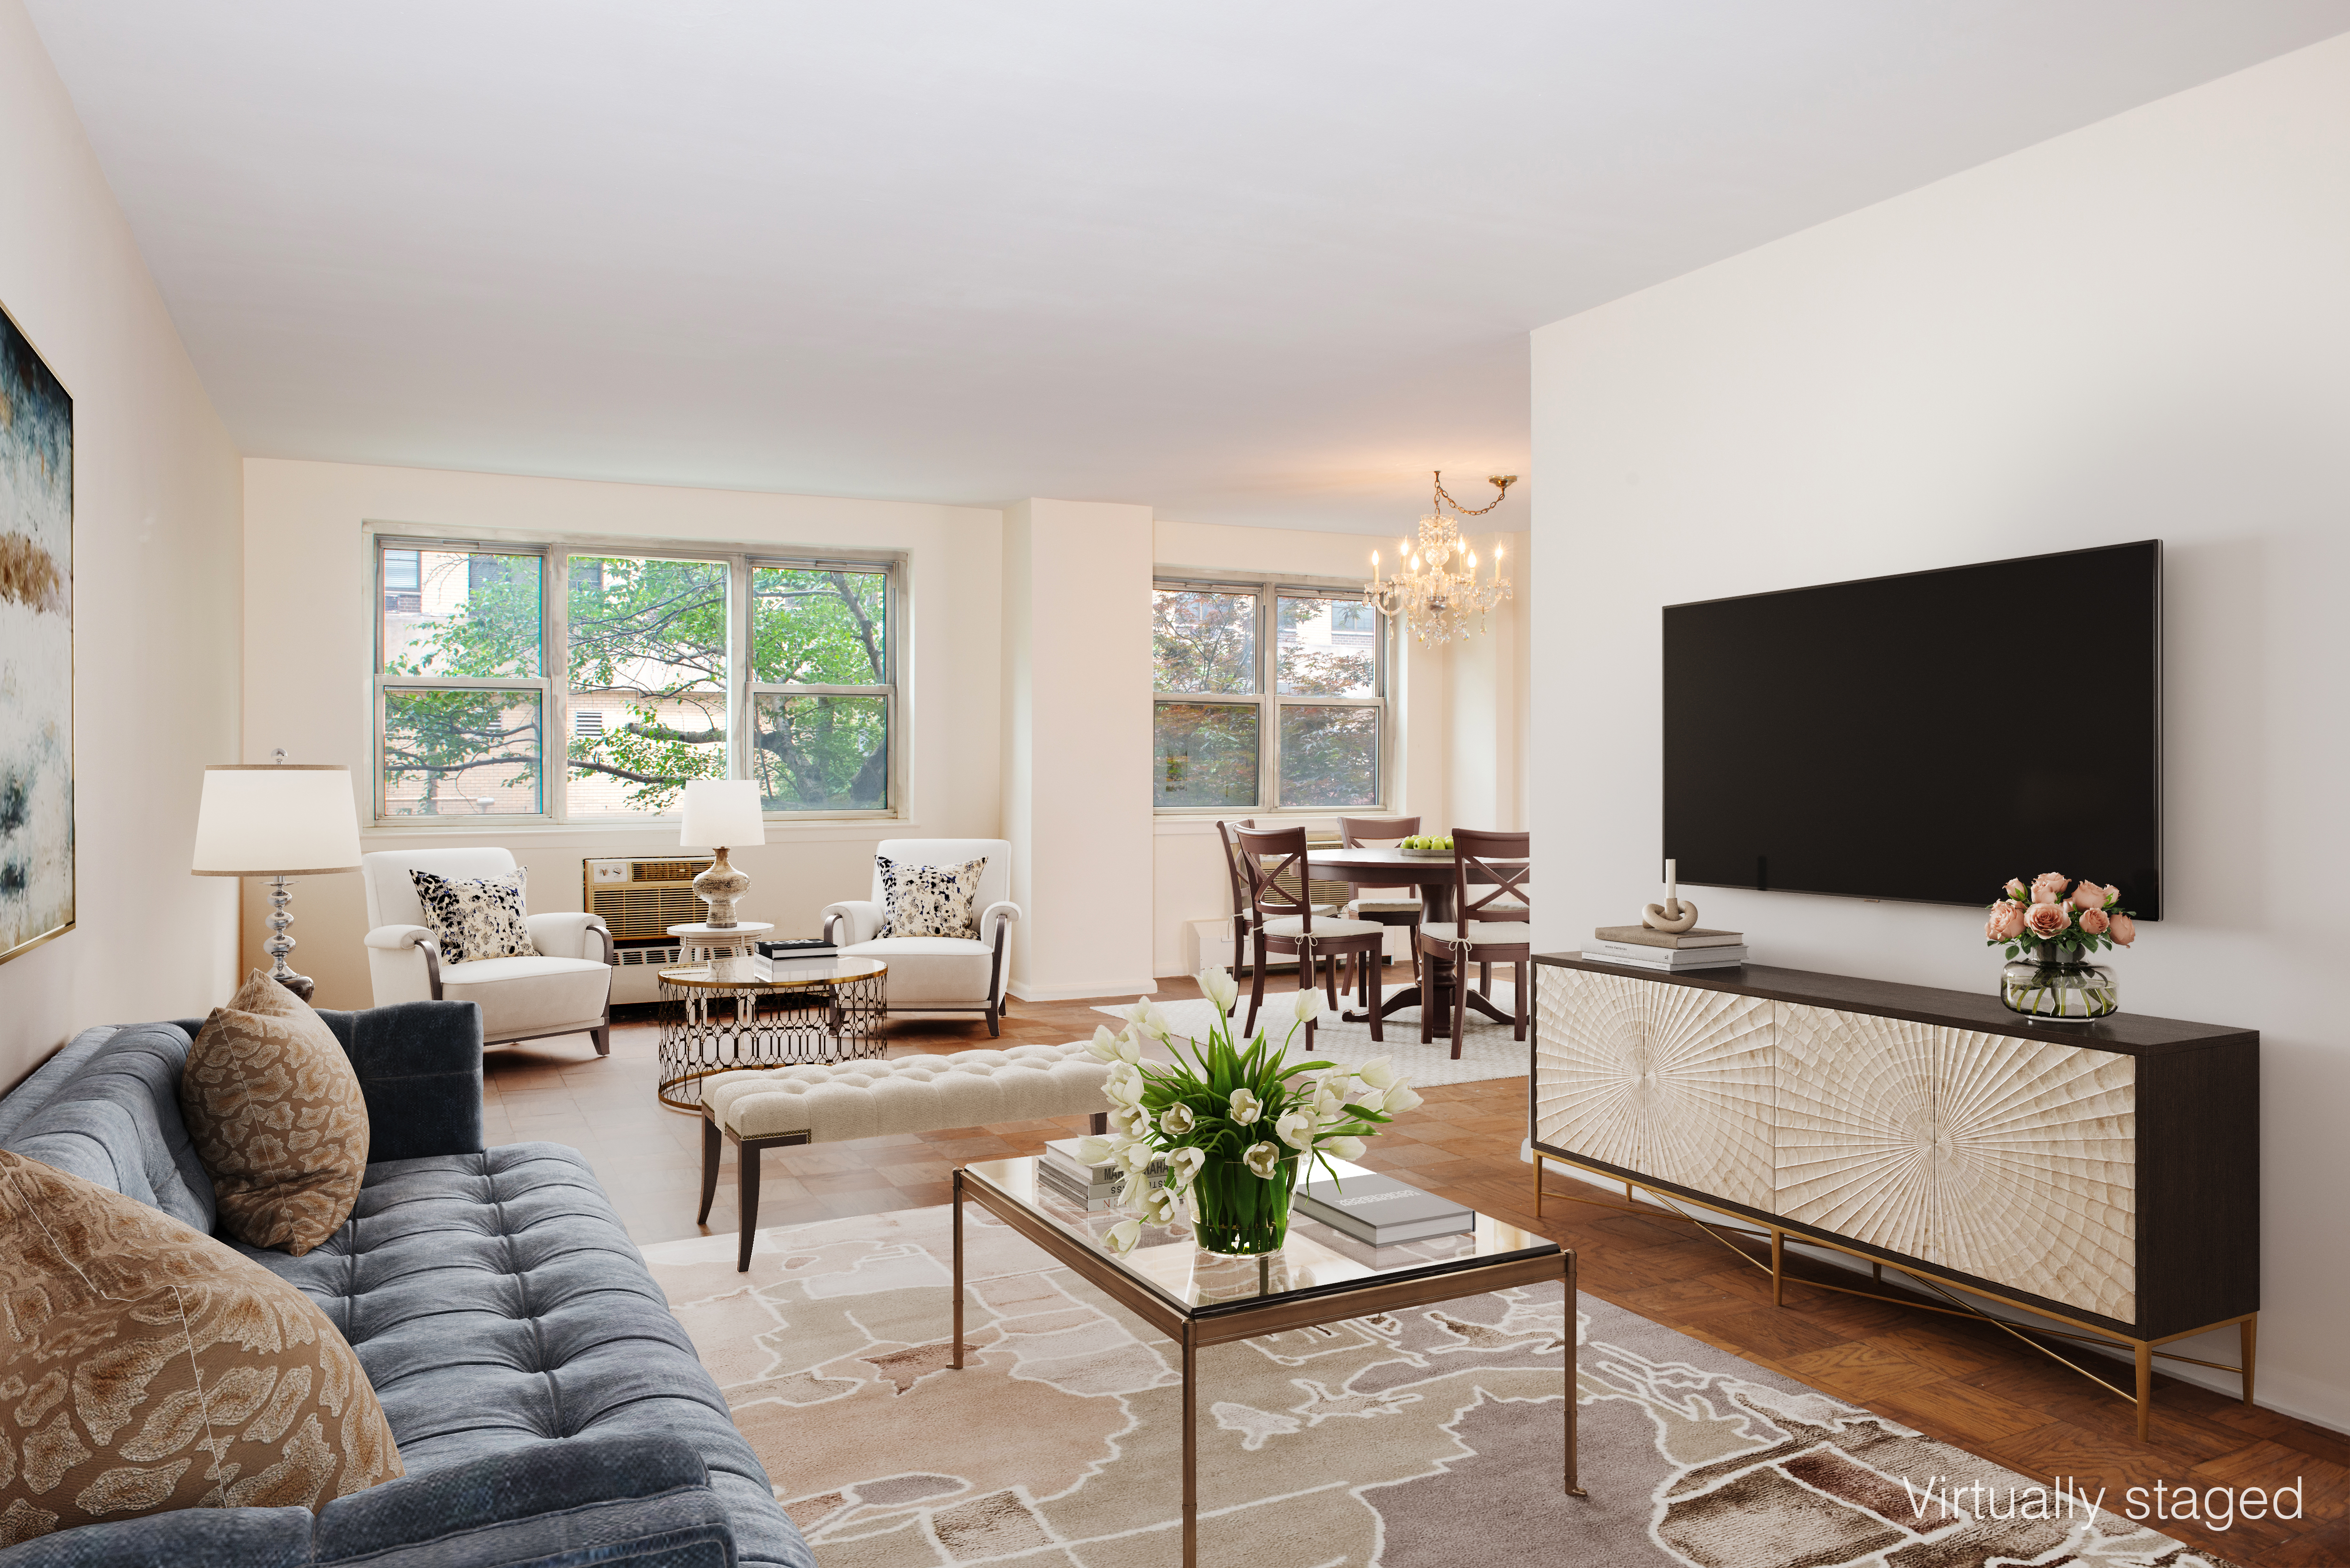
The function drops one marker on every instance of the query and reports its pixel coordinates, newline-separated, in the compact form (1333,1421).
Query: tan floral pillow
(277,1118)
(145,1367)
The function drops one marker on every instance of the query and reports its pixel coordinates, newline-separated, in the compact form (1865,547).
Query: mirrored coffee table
(716,1017)
(1197,1299)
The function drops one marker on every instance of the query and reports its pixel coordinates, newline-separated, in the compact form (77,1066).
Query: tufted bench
(777,1106)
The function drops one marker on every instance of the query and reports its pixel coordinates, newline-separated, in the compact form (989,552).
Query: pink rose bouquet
(2057,912)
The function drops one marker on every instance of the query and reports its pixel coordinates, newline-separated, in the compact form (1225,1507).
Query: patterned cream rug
(1488,1052)
(1427,1439)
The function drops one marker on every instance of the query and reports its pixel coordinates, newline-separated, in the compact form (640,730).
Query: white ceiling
(1261,263)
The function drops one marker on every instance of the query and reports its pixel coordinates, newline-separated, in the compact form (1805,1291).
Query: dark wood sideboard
(2106,1175)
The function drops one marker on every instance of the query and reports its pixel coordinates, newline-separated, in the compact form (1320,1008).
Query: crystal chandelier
(1435,587)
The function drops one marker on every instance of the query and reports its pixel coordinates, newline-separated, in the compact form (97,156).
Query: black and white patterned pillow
(929,900)
(475,917)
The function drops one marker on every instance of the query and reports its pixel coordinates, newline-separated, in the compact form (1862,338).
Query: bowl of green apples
(1420,847)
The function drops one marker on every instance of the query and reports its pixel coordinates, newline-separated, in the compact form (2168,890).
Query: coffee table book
(1381,1212)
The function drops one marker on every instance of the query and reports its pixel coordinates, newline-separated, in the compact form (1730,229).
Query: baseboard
(1128,987)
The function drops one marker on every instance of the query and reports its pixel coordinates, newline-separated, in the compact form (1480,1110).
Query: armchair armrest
(640,1499)
(419,1068)
(1006,912)
(860,921)
(393,938)
(570,934)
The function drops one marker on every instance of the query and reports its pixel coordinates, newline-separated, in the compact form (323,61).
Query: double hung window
(1269,697)
(649,670)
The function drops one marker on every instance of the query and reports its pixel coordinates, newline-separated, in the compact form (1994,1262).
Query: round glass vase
(1237,1213)
(2059,983)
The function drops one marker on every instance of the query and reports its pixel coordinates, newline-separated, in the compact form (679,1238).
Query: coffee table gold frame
(1246,1318)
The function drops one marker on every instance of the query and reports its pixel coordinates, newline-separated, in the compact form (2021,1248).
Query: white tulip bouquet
(1234,1123)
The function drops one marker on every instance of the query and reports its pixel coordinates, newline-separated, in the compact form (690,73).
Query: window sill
(1184,824)
(662,832)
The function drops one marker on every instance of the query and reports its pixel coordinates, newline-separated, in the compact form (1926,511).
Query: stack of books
(1063,1175)
(1381,1210)
(1672,951)
(768,958)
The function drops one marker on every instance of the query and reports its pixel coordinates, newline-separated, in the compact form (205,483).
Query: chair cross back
(1266,895)
(1505,857)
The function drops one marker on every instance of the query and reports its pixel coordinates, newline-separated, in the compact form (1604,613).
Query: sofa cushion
(152,1368)
(107,1109)
(278,1117)
(496,1301)
(530,995)
(931,969)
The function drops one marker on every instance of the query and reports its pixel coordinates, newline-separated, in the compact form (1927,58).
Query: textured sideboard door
(1668,1081)
(2009,1160)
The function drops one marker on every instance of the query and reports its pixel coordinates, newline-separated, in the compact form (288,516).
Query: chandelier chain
(1500,481)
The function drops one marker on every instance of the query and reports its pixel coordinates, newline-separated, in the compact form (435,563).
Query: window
(1267,697)
(820,690)
(632,664)
(648,643)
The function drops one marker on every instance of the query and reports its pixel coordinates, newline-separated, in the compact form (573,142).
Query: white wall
(155,588)
(1077,747)
(1457,760)
(2141,329)
(308,647)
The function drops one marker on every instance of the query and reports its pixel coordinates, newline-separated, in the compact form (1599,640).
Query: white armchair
(566,990)
(938,974)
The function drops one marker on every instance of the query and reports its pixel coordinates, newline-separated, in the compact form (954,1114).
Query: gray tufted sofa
(548,1407)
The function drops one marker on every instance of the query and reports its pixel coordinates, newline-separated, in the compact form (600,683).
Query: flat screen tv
(1923,737)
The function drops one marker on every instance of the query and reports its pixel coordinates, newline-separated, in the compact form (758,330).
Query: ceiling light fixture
(1435,587)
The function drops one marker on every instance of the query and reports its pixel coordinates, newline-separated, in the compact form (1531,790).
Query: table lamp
(720,814)
(277,819)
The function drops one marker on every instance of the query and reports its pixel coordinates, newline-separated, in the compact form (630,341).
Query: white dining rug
(1488,1052)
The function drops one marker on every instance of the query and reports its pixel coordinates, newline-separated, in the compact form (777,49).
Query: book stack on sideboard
(1676,952)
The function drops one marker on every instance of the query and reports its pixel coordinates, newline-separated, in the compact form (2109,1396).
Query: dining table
(1432,874)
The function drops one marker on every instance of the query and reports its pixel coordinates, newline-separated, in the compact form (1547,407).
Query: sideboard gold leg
(2248,1334)
(2145,1391)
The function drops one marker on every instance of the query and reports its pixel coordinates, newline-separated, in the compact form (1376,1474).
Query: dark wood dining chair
(1498,865)
(1281,921)
(1385,906)
(1242,913)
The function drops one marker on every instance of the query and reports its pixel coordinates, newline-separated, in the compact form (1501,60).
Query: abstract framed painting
(37,648)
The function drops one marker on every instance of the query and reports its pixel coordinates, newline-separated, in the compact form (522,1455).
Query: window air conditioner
(640,900)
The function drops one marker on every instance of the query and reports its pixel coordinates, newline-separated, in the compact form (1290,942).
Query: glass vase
(1238,1213)
(2059,983)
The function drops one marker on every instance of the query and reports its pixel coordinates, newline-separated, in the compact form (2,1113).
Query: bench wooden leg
(709,1152)
(746,1178)
(749,1151)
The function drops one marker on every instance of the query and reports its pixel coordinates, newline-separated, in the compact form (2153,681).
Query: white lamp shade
(277,820)
(722,813)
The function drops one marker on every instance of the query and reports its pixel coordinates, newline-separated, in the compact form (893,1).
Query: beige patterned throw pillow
(277,1118)
(145,1367)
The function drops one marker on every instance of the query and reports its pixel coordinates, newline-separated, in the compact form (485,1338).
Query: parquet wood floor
(1964,1383)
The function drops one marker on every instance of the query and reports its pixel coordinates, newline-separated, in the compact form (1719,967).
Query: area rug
(1425,1439)
(1488,1052)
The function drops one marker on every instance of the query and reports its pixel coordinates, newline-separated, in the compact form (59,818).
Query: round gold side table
(716,1018)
